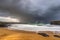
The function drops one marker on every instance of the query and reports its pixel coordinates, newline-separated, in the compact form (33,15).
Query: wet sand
(6,34)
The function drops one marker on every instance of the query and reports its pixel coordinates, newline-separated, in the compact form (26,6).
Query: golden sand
(6,34)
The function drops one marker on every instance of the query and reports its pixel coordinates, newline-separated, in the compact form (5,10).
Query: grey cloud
(32,10)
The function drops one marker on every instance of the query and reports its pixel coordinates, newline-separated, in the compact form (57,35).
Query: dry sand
(6,34)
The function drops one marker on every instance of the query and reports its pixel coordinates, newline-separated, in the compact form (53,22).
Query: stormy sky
(31,10)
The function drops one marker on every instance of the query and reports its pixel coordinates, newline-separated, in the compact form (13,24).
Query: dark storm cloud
(33,10)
